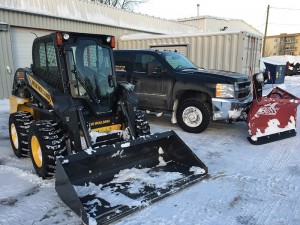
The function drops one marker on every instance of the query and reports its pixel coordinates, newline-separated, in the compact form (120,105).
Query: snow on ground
(248,185)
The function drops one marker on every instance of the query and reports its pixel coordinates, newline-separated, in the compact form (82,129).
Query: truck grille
(242,89)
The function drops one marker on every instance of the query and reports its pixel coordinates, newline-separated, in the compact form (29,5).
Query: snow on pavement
(248,185)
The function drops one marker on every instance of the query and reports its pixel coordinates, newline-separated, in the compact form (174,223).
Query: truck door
(150,81)
(123,66)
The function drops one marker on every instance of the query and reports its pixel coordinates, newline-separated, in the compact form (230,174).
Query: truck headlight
(225,91)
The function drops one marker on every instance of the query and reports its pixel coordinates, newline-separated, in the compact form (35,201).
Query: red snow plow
(272,117)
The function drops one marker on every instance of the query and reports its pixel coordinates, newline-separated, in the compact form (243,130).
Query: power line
(284,8)
(284,24)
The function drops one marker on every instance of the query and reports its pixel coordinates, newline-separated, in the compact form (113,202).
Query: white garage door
(182,49)
(22,39)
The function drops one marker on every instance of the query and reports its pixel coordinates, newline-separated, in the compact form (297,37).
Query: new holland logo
(268,109)
(42,91)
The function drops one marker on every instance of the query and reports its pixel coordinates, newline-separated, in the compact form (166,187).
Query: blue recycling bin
(277,73)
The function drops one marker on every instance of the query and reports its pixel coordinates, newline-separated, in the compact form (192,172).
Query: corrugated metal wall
(6,64)
(234,51)
(20,19)
(214,24)
(86,13)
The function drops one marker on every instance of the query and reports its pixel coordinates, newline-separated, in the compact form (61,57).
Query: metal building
(236,51)
(214,24)
(22,20)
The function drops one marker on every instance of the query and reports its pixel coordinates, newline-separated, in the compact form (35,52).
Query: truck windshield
(178,61)
(91,66)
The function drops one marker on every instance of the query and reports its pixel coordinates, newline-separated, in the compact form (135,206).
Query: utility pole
(266,29)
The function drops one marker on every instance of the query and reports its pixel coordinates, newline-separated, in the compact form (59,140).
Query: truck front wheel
(193,115)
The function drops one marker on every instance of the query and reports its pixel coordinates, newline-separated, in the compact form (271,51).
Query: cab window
(146,63)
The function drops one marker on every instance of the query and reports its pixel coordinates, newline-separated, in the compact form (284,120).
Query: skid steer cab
(76,122)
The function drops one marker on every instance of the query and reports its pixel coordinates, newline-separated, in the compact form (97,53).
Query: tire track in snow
(20,163)
(273,188)
(45,207)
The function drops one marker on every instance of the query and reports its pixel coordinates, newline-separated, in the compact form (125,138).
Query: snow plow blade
(105,184)
(272,117)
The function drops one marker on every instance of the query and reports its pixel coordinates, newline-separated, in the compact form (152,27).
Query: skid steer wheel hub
(192,116)
(14,136)
(36,151)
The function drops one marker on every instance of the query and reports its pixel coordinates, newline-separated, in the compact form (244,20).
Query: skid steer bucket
(105,184)
(272,117)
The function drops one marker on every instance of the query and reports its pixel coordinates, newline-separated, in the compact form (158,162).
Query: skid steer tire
(19,123)
(141,124)
(193,115)
(46,144)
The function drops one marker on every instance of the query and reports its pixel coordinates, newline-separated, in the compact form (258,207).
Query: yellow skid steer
(76,122)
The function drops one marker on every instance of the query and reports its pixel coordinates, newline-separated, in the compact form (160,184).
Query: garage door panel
(22,39)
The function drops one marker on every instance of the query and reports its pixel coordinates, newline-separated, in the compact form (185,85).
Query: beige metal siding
(182,49)
(6,64)
(85,12)
(215,24)
(21,19)
(234,51)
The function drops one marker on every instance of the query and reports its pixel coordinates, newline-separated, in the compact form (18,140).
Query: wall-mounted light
(224,28)
(4,26)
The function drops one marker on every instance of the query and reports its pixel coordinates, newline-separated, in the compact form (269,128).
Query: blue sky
(284,16)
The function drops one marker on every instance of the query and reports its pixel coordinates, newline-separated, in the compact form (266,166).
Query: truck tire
(46,144)
(19,123)
(193,115)
(141,124)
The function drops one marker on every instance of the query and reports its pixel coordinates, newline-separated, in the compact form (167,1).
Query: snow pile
(197,170)
(106,193)
(118,153)
(141,178)
(4,106)
(133,180)
(90,151)
(161,160)
(234,114)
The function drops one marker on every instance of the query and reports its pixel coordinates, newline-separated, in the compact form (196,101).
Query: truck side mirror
(154,69)
(161,70)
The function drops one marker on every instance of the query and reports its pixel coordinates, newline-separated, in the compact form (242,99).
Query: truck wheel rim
(192,116)
(36,151)
(14,136)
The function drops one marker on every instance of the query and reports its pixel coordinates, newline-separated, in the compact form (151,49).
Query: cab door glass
(148,64)
(90,65)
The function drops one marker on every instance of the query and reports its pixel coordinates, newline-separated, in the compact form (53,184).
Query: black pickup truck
(168,82)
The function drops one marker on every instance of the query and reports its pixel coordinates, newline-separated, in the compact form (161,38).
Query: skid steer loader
(77,123)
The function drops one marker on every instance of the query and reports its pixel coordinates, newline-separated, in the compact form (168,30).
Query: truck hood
(217,75)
